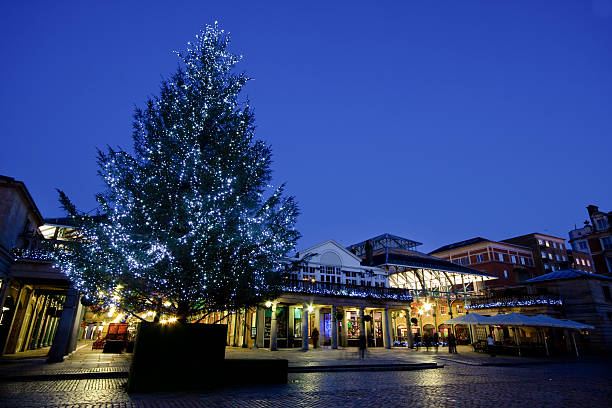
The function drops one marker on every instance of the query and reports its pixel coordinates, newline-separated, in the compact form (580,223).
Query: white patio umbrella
(544,320)
(471,318)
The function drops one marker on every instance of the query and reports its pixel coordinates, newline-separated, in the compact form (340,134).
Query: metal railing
(513,301)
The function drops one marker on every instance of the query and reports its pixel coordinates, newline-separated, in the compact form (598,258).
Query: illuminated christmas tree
(190,222)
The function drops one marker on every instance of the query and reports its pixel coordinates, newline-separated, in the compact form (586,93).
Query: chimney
(592,209)
(368,253)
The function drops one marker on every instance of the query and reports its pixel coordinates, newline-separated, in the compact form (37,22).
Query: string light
(190,220)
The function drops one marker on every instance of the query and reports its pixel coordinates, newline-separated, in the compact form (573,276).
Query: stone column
(273,329)
(344,328)
(305,316)
(362,330)
(260,323)
(65,332)
(334,311)
(385,328)
(235,324)
(409,327)
(244,331)
(317,324)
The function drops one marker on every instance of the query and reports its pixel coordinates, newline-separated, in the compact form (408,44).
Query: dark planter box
(113,346)
(177,357)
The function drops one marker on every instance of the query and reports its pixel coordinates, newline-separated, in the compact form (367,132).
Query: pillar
(385,328)
(260,322)
(62,343)
(362,331)
(244,331)
(334,311)
(344,328)
(236,332)
(409,327)
(317,324)
(305,317)
(273,329)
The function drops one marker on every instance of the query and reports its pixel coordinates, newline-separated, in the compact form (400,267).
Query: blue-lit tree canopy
(190,220)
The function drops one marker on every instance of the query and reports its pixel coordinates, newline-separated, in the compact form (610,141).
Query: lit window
(543,254)
(550,256)
(547,243)
(500,257)
(540,242)
(588,262)
(513,258)
(505,273)
(582,262)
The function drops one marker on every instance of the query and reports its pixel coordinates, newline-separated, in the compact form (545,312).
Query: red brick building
(549,252)
(595,238)
(510,263)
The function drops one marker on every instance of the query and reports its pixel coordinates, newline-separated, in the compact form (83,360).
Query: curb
(364,367)
(312,369)
(65,376)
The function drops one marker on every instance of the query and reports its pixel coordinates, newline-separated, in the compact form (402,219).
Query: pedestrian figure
(362,346)
(427,341)
(315,338)
(491,345)
(436,338)
(452,343)
(417,340)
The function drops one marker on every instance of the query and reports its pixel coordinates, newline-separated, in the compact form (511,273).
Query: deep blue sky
(434,120)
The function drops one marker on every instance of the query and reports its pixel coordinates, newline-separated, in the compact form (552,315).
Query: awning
(517,319)
(471,318)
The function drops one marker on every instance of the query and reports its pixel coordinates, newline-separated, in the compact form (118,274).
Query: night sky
(434,120)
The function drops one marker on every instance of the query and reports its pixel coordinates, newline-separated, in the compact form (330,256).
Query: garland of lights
(347,292)
(32,254)
(516,302)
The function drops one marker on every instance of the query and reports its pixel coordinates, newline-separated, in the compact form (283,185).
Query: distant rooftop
(566,274)
(384,241)
(461,244)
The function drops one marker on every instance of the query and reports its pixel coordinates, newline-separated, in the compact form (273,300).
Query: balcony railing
(513,301)
(354,291)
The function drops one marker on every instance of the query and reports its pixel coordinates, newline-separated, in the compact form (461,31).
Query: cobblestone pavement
(584,384)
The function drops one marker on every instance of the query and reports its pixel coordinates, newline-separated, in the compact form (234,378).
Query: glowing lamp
(268,304)
(310,308)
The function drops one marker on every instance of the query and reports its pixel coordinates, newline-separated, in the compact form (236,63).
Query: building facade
(549,252)
(579,260)
(38,308)
(510,263)
(595,238)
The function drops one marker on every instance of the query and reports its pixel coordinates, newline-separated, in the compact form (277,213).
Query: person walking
(362,346)
(436,339)
(452,343)
(427,341)
(491,345)
(315,338)
(417,341)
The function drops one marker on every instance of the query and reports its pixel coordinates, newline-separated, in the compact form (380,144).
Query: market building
(38,307)
(375,287)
